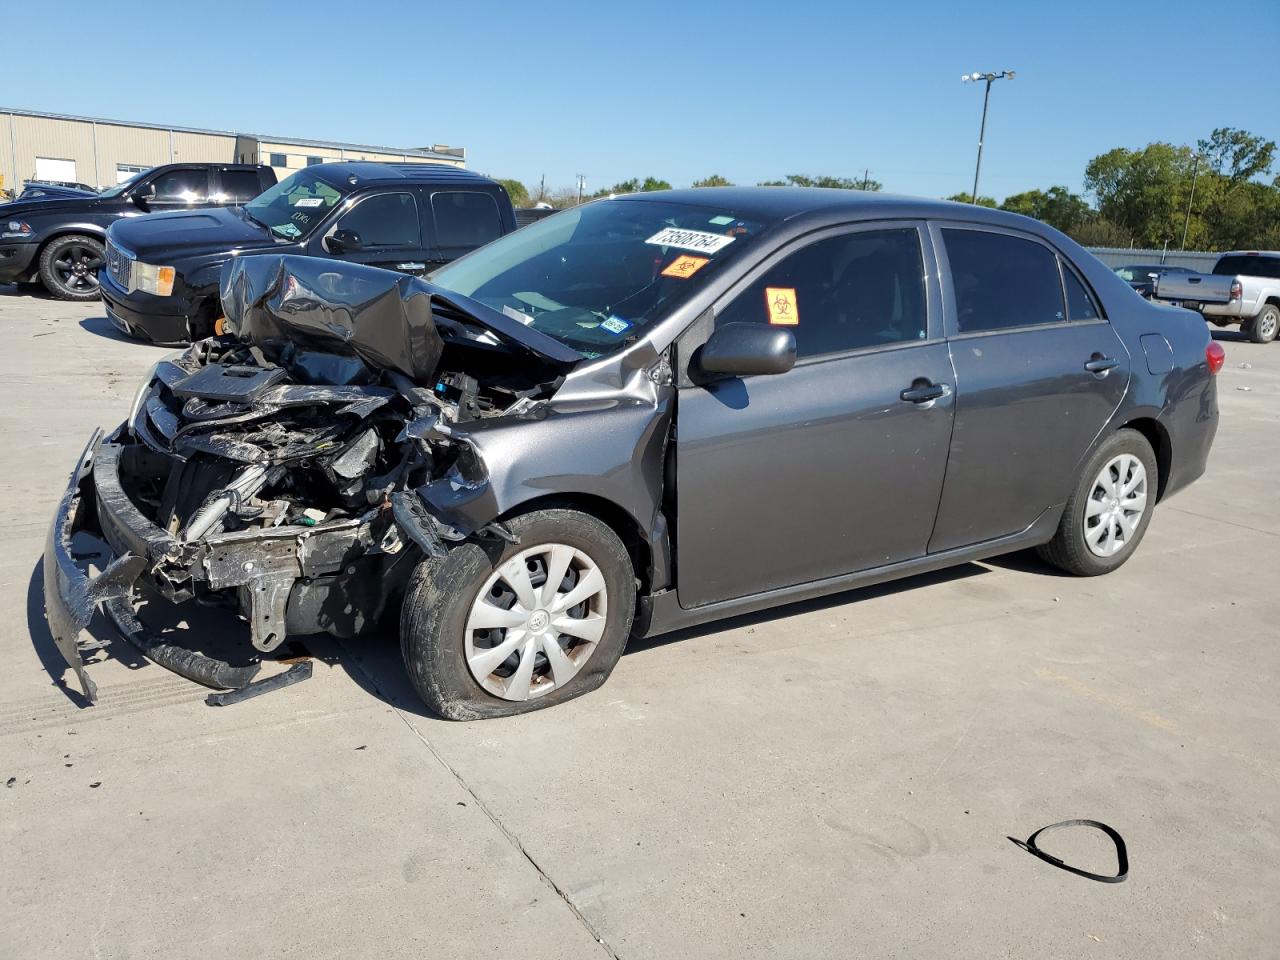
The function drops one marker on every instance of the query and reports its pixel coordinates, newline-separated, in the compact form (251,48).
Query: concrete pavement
(834,778)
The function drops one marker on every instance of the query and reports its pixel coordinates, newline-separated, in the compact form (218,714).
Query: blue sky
(675,90)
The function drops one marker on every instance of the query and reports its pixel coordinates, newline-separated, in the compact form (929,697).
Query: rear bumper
(17,261)
(147,320)
(1223,311)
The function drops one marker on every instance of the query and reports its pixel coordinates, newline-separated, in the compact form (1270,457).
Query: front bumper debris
(265,566)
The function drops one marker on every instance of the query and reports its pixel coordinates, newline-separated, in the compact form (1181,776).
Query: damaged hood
(389,320)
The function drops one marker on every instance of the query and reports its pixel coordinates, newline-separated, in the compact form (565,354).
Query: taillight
(1215,356)
(1236,290)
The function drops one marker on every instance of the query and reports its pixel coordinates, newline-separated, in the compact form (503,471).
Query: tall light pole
(982,131)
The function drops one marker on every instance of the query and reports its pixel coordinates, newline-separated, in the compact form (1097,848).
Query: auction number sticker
(699,241)
(308,201)
(781,302)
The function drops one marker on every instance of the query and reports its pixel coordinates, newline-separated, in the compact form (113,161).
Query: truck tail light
(1215,356)
(1236,290)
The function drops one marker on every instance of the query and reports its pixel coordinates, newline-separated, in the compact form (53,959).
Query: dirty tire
(54,277)
(1068,550)
(441,591)
(1264,327)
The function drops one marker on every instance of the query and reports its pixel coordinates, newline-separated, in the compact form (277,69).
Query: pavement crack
(514,840)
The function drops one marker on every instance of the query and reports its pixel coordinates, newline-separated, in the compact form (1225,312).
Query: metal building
(98,152)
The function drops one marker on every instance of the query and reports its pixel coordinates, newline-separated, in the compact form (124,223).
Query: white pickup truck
(1244,288)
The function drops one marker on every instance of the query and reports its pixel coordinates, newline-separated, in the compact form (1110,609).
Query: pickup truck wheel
(69,267)
(1264,327)
(1109,509)
(494,629)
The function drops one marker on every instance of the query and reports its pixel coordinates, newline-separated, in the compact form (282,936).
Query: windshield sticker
(615,325)
(697,240)
(685,266)
(288,230)
(308,201)
(720,221)
(783,309)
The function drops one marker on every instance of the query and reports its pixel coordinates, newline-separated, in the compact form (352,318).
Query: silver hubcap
(1115,505)
(1267,324)
(536,621)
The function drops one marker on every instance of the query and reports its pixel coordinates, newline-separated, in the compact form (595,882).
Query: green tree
(840,183)
(517,191)
(1143,192)
(966,198)
(715,180)
(1057,206)
(634,185)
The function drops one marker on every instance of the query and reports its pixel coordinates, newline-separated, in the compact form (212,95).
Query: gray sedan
(631,417)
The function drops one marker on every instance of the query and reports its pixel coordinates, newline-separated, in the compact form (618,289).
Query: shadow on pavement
(373,661)
(103,327)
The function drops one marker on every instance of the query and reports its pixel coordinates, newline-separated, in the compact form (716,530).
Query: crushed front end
(272,470)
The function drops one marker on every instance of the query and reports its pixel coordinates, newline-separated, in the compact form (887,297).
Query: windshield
(295,206)
(120,188)
(595,276)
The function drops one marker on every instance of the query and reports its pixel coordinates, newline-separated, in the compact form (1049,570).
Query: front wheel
(1109,510)
(1264,327)
(69,267)
(497,629)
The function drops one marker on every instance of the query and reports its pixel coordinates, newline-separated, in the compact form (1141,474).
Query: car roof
(787,203)
(367,171)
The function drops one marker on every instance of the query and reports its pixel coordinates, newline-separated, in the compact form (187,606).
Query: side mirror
(343,241)
(144,194)
(742,349)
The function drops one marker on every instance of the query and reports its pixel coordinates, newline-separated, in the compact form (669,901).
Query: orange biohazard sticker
(685,266)
(781,302)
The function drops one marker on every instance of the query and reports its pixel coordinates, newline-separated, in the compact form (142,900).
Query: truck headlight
(16,230)
(153,279)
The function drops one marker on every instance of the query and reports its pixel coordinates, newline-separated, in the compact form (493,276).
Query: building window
(126,170)
(312,161)
(279,160)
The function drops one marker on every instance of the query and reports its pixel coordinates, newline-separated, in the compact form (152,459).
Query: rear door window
(1002,281)
(384,220)
(465,220)
(239,186)
(1080,303)
(182,186)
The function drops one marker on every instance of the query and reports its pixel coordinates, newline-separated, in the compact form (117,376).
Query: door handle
(923,391)
(1101,364)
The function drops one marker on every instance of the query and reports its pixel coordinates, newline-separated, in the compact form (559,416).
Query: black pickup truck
(60,242)
(160,280)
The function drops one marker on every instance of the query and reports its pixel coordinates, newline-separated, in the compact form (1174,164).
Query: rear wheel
(1264,327)
(497,629)
(69,267)
(1109,509)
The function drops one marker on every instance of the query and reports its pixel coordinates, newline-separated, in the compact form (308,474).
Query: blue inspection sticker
(615,325)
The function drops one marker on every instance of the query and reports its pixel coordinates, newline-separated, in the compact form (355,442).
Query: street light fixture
(986,97)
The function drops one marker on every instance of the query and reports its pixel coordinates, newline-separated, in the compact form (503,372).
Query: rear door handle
(1101,364)
(923,391)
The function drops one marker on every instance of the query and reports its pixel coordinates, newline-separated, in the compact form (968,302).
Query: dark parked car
(49,190)
(160,282)
(59,242)
(637,415)
(1142,277)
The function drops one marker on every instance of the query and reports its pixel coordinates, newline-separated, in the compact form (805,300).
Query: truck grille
(120,266)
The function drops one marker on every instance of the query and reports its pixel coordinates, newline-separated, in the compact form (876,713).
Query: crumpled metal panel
(345,309)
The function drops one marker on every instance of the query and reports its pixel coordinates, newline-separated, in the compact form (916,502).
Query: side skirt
(662,613)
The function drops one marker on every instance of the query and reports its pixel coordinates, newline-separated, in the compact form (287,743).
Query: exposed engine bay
(272,469)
